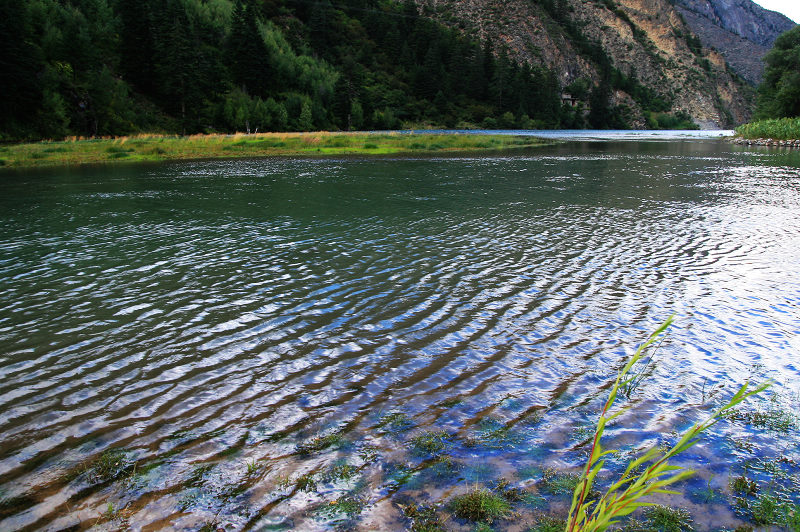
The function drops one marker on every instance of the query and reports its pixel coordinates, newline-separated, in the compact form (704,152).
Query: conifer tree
(20,64)
(136,47)
(247,55)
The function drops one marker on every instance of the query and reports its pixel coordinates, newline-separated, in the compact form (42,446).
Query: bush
(780,129)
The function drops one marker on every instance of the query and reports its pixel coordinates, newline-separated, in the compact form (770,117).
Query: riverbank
(767,142)
(780,132)
(166,148)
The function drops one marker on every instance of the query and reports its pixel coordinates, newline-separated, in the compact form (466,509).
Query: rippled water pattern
(236,300)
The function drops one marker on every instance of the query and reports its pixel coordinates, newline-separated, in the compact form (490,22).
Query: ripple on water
(215,313)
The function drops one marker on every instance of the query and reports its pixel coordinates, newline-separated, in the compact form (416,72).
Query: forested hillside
(104,67)
(110,67)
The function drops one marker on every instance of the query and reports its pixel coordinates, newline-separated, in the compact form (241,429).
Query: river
(239,344)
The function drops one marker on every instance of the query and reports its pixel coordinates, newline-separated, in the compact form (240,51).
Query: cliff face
(650,41)
(742,31)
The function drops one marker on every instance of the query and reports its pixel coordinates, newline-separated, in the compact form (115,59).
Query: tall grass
(776,128)
(625,495)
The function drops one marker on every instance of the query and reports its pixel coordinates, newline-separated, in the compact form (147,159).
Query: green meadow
(76,151)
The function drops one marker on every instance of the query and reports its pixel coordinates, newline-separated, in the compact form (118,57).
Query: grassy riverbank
(777,129)
(164,148)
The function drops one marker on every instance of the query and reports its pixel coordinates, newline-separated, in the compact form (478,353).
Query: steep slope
(742,31)
(646,42)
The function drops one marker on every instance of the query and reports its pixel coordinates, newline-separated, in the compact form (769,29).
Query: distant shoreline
(776,143)
(775,132)
(157,148)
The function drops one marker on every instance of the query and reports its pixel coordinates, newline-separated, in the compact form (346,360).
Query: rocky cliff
(742,31)
(651,42)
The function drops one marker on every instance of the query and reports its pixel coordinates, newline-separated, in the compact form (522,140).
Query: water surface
(203,326)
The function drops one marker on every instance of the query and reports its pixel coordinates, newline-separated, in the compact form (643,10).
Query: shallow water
(199,326)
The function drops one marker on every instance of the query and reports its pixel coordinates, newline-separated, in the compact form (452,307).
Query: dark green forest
(779,93)
(113,67)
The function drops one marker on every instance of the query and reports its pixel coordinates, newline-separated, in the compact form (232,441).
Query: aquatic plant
(368,453)
(444,466)
(766,510)
(558,482)
(423,518)
(319,443)
(510,492)
(480,505)
(625,495)
(529,472)
(399,473)
(494,434)
(111,465)
(198,475)
(252,467)
(642,369)
(707,494)
(548,523)
(775,419)
(666,519)
(306,482)
(395,422)
(341,471)
(430,442)
(742,485)
(349,505)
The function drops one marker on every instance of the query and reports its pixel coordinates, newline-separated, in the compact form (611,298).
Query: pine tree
(247,55)
(136,47)
(20,64)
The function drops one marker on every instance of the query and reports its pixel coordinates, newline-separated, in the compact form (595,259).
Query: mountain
(691,53)
(114,67)
(742,31)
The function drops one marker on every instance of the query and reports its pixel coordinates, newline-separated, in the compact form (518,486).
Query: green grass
(494,434)
(430,442)
(666,519)
(141,148)
(775,419)
(348,505)
(559,483)
(766,510)
(548,523)
(743,486)
(306,483)
(480,505)
(319,443)
(111,465)
(395,422)
(341,472)
(510,492)
(423,518)
(778,129)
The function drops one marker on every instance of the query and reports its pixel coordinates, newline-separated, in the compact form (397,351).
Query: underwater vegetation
(493,473)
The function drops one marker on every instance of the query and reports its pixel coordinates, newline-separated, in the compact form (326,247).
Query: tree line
(779,93)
